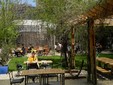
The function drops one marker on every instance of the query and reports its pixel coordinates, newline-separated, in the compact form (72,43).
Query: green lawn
(106,55)
(56,60)
(14,61)
(12,64)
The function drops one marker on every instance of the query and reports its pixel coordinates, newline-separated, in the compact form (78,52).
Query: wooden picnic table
(105,60)
(45,63)
(44,72)
(40,62)
(107,63)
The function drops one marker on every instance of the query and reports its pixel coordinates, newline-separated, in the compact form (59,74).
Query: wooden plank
(41,71)
(102,70)
(105,60)
(109,2)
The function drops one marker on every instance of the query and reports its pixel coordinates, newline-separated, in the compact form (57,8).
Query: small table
(42,62)
(44,72)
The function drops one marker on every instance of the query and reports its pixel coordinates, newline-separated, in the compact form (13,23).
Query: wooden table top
(40,62)
(41,71)
(105,60)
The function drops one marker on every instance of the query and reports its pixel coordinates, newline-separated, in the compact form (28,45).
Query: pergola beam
(102,10)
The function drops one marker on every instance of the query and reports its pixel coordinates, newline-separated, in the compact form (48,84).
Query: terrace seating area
(52,80)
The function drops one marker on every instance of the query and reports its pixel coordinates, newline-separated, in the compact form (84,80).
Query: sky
(30,2)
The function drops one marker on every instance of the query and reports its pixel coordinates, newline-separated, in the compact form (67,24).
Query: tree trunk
(72,50)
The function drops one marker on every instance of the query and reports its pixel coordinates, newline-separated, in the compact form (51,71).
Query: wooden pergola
(100,11)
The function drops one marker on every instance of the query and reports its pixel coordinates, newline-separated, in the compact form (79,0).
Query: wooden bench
(102,70)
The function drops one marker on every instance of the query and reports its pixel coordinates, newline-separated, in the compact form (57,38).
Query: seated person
(32,64)
(32,61)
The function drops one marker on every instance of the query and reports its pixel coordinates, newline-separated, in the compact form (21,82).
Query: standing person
(77,47)
(58,47)
(30,48)
(18,51)
(23,50)
(55,46)
(64,52)
(98,48)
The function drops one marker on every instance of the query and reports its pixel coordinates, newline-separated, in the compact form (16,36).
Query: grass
(106,55)
(78,61)
(14,61)
(20,60)
(56,61)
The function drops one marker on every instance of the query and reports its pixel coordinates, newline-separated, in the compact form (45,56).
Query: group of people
(21,50)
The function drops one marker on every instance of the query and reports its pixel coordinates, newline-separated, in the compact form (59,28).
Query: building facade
(32,32)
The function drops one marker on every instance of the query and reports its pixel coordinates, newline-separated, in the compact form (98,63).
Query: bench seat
(100,69)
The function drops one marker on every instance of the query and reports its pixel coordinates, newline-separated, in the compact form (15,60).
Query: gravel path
(70,82)
(4,80)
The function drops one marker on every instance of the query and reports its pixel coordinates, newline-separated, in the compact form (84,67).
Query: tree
(59,12)
(8,29)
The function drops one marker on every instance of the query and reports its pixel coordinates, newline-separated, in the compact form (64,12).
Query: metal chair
(13,80)
(32,66)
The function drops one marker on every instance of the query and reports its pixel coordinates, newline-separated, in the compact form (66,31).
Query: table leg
(105,66)
(47,79)
(63,79)
(99,63)
(43,79)
(111,69)
(60,79)
(40,80)
(25,80)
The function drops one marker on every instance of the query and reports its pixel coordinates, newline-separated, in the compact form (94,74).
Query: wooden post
(72,46)
(92,77)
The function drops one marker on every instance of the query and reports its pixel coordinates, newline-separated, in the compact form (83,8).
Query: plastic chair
(13,80)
